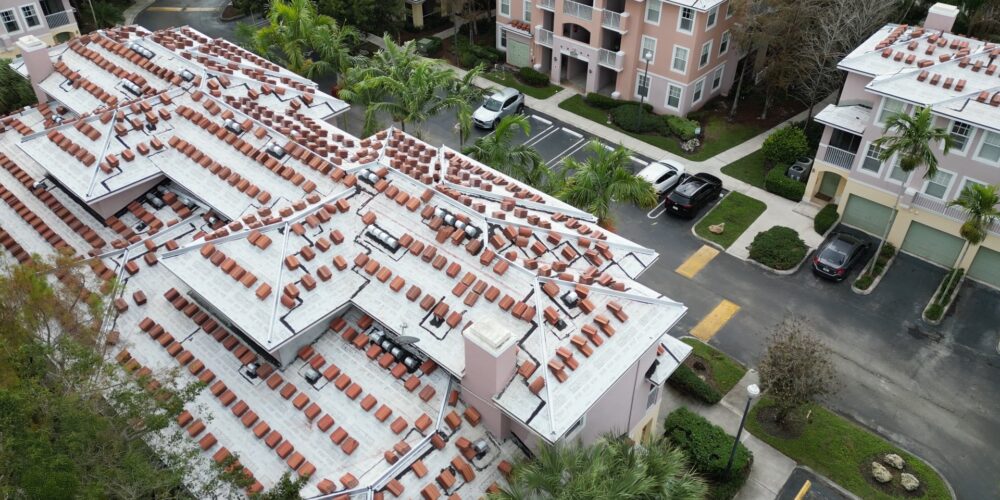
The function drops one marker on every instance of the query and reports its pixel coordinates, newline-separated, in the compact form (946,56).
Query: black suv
(693,194)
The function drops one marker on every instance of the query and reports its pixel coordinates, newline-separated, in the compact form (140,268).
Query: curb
(786,272)
(947,306)
(877,280)
(132,12)
(830,482)
(710,243)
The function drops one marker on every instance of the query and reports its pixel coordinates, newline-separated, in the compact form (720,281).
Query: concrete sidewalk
(771,468)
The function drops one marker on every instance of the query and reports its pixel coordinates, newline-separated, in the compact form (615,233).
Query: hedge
(531,77)
(778,248)
(682,127)
(469,55)
(708,447)
(602,101)
(780,184)
(631,118)
(688,382)
(785,145)
(825,218)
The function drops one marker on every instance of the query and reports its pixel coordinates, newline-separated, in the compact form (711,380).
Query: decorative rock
(880,473)
(717,228)
(894,460)
(908,481)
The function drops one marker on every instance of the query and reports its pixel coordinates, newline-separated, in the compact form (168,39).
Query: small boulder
(894,460)
(909,482)
(880,473)
(717,228)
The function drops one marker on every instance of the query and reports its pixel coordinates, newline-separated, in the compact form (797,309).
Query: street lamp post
(647,56)
(752,392)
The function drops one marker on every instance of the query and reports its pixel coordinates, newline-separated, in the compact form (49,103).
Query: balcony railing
(838,157)
(614,20)
(58,19)
(547,4)
(935,205)
(610,59)
(543,36)
(576,9)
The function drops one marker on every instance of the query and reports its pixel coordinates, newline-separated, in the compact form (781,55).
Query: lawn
(840,450)
(726,371)
(508,79)
(749,169)
(737,211)
(719,133)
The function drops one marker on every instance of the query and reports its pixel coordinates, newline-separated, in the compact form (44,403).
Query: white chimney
(35,54)
(941,16)
(490,363)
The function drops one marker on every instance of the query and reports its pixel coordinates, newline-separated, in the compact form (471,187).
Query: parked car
(838,255)
(693,194)
(663,175)
(505,101)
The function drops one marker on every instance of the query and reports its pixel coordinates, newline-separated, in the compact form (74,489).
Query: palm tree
(979,202)
(604,178)
(911,142)
(300,39)
(519,161)
(468,92)
(613,467)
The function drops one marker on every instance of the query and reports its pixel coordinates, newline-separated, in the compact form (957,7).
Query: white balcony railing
(935,205)
(58,19)
(547,4)
(838,157)
(612,20)
(543,36)
(613,60)
(577,9)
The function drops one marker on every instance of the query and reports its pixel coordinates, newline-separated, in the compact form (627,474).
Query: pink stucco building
(600,45)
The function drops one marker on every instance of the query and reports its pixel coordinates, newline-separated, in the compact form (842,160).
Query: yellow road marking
(697,261)
(711,324)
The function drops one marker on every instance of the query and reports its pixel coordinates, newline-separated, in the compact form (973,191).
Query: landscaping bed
(707,374)
(867,281)
(708,447)
(778,248)
(944,296)
(737,211)
(844,451)
(509,79)
(825,218)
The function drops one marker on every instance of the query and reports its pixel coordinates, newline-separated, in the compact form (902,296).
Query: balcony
(615,21)
(57,19)
(549,5)
(543,37)
(838,157)
(933,204)
(578,10)
(609,59)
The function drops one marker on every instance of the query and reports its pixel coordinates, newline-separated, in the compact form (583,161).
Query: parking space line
(545,133)
(711,324)
(543,120)
(570,132)
(568,151)
(657,210)
(697,261)
(640,162)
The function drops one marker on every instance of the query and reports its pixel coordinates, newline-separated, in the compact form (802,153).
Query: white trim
(687,59)
(721,69)
(680,19)
(965,180)
(712,13)
(500,12)
(654,392)
(979,149)
(864,156)
(642,49)
(969,139)
(706,49)
(17,20)
(695,91)
(729,9)
(38,16)
(640,71)
(881,107)
(726,37)
(947,189)
(526,7)
(888,173)
(680,97)
(659,12)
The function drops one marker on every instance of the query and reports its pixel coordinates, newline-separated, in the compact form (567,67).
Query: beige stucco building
(51,21)
(901,69)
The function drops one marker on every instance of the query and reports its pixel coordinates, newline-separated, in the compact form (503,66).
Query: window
(576,426)
(724,43)
(937,186)
(897,173)
(968,182)
(642,86)
(706,54)
(729,9)
(699,88)
(527,11)
(990,149)
(717,77)
(648,44)
(505,8)
(713,15)
(30,16)
(653,396)
(685,22)
(889,108)
(872,161)
(653,11)
(673,96)
(960,133)
(503,38)
(9,21)
(680,59)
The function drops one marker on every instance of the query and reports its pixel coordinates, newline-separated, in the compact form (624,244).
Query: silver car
(505,101)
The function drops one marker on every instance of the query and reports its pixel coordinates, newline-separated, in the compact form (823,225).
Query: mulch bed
(793,427)
(702,369)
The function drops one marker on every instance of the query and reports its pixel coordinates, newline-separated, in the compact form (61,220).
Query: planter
(779,272)
(947,305)
(877,279)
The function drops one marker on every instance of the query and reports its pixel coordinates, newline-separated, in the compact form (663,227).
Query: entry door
(518,53)
(828,187)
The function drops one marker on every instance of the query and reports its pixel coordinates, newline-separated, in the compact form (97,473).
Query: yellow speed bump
(697,261)
(711,324)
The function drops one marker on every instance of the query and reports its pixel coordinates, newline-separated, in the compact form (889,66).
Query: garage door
(929,243)
(518,53)
(986,267)
(866,215)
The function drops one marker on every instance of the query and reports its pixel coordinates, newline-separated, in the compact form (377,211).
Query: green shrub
(706,444)
(430,46)
(682,127)
(531,77)
(934,312)
(602,101)
(945,293)
(780,184)
(825,218)
(785,145)
(864,281)
(631,118)
(688,382)
(778,248)
(469,54)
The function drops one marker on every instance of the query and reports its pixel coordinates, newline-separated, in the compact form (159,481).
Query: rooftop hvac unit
(367,176)
(481,447)
(132,88)
(232,126)
(252,370)
(398,353)
(383,238)
(142,51)
(570,299)
(472,231)
(411,363)
(275,150)
(376,336)
(40,184)
(187,76)
(312,376)
(154,201)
